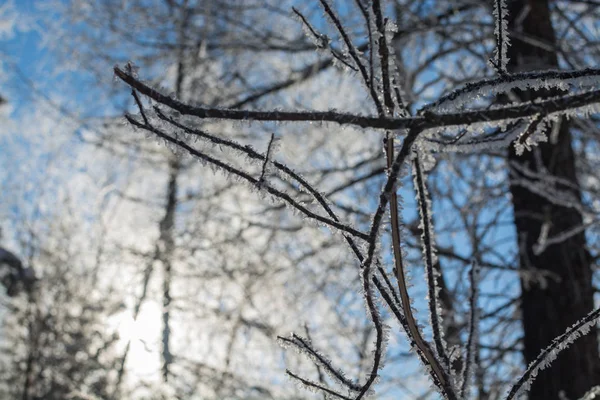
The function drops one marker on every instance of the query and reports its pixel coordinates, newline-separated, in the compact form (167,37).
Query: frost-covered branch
(247,177)
(315,387)
(561,80)
(429,257)
(353,52)
(549,354)
(471,345)
(501,32)
(321,41)
(428,120)
(305,346)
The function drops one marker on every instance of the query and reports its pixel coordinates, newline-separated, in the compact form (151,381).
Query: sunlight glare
(143,336)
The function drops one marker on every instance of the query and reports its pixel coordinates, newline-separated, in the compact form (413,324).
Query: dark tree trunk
(550,306)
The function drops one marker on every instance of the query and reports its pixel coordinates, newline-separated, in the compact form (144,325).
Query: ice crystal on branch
(501,31)
(592,394)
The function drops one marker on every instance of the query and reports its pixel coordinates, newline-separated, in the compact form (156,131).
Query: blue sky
(23,50)
(33,71)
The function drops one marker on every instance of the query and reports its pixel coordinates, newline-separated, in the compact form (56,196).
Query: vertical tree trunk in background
(167,225)
(548,309)
(167,248)
(32,350)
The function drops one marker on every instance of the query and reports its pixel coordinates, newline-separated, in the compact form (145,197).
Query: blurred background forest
(143,274)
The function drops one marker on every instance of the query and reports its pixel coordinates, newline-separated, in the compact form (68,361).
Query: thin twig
(471,349)
(316,386)
(266,161)
(384,54)
(354,54)
(305,346)
(428,253)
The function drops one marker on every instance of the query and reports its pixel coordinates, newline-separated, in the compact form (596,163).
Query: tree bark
(550,306)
